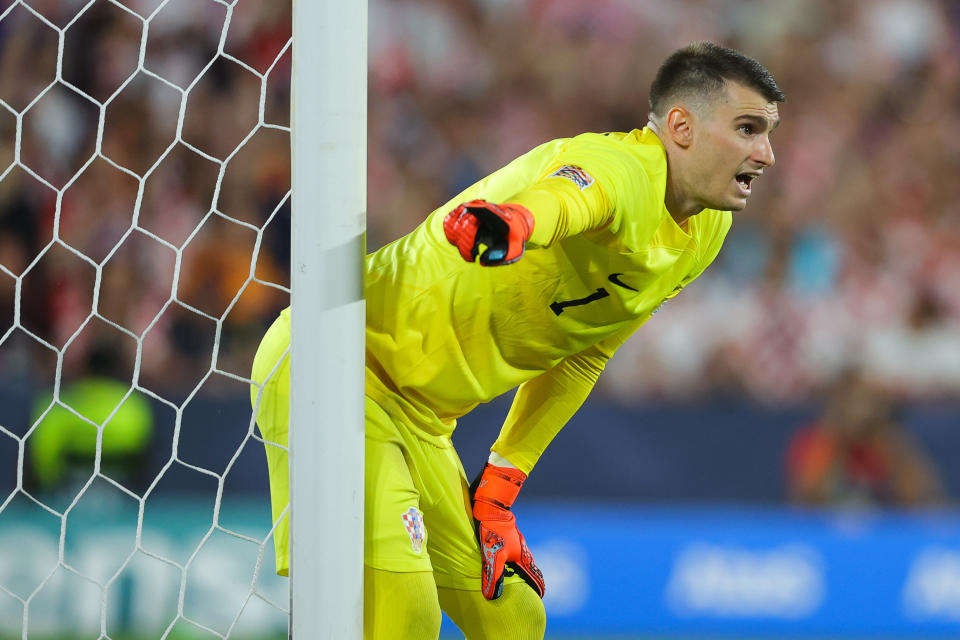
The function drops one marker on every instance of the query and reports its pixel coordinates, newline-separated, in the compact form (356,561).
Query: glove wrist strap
(499,486)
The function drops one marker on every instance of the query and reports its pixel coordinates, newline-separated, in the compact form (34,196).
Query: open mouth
(744,180)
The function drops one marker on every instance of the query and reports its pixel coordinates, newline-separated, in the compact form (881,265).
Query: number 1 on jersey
(559,306)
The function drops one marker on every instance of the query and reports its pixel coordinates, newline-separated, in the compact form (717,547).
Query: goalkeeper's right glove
(501,543)
(503,229)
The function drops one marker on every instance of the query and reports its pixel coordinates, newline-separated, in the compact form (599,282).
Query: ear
(679,127)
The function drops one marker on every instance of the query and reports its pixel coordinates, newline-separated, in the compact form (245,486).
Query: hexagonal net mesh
(144,239)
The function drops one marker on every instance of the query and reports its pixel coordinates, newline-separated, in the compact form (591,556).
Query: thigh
(396,533)
(400,605)
(439,477)
(453,544)
(424,480)
(270,391)
(516,615)
(270,398)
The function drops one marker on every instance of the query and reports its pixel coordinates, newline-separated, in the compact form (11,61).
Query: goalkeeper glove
(492,494)
(502,228)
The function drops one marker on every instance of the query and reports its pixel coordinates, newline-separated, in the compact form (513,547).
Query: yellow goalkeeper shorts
(417,505)
(270,397)
(417,508)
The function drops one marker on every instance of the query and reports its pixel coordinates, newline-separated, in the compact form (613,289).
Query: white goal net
(144,248)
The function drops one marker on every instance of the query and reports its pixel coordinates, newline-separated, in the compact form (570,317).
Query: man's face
(731,148)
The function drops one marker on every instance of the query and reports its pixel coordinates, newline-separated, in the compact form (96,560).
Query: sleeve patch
(572,172)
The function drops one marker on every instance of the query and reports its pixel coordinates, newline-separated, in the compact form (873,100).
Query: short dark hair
(700,70)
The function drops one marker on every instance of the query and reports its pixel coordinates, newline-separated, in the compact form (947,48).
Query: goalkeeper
(529,279)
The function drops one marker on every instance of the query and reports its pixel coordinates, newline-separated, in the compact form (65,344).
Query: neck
(679,208)
(679,205)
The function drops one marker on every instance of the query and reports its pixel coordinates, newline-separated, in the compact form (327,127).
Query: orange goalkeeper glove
(502,228)
(501,544)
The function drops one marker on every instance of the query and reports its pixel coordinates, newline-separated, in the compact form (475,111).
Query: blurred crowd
(847,253)
(143,187)
(859,453)
(846,256)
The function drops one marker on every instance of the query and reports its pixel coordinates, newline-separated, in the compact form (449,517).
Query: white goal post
(329,123)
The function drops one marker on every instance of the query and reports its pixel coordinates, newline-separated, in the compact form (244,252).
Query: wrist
(498,460)
(498,486)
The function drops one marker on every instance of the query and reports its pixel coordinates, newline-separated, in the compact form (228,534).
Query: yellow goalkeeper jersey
(444,334)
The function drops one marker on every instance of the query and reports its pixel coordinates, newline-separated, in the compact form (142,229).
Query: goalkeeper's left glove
(503,229)
(492,494)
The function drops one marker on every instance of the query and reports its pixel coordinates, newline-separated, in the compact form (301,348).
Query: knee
(516,615)
(524,610)
(400,605)
(408,620)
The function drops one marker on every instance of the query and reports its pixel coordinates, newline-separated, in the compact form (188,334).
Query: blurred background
(773,454)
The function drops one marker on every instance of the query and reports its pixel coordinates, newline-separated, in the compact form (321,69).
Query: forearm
(544,405)
(561,209)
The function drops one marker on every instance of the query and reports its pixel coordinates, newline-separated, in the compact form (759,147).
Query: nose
(763,152)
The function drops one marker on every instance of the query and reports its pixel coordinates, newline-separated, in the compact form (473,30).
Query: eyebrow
(758,120)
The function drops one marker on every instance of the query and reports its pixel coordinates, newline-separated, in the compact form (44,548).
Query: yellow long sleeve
(546,403)
(561,209)
(543,405)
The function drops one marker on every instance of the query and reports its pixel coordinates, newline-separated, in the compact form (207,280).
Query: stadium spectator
(859,454)
(66,443)
(840,237)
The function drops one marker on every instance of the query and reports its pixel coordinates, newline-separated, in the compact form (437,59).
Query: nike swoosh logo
(614,278)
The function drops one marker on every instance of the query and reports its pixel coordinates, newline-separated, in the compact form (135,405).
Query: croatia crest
(413,523)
